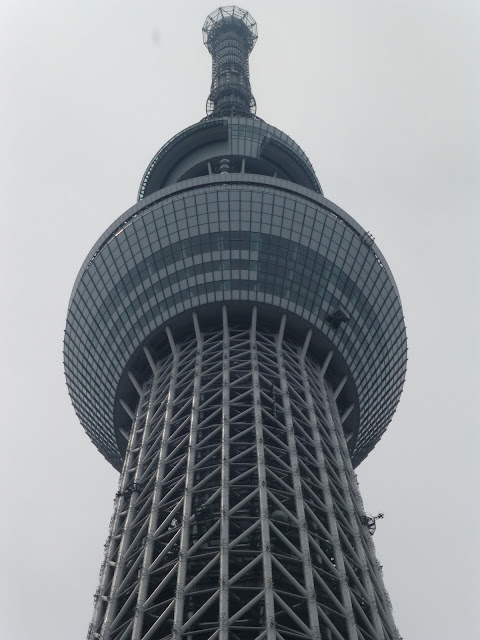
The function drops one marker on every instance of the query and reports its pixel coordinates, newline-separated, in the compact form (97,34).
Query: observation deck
(199,238)
(230,212)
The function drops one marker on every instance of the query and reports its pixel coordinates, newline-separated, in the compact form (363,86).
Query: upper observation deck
(249,145)
(235,239)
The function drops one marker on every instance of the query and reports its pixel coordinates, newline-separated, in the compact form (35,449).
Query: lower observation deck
(240,240)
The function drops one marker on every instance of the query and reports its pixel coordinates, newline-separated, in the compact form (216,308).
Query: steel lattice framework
(230,33)
(238,513)
(235,345)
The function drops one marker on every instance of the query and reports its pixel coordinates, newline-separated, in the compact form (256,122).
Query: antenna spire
(230,33)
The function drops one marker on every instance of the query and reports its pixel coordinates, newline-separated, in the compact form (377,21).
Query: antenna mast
(230,33)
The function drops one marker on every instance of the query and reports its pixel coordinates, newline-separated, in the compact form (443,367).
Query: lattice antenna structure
(230,33)
(235,346)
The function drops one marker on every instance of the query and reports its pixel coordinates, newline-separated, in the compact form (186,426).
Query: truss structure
(238,514)
(230,33)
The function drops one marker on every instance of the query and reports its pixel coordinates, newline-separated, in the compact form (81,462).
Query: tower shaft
(238,513)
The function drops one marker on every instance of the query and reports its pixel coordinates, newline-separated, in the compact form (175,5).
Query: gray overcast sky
(384,98)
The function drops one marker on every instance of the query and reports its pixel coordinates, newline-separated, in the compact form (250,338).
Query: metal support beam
(297,488)
(305,345)
(354,508)
(128,411)
(340,386)
(171,341)
(179,615)
(326,362)
(135,383)
(346,413)
(225,501)
(262,485)
(151,362)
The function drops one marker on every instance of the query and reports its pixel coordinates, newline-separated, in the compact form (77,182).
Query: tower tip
(230,33)
(233,17)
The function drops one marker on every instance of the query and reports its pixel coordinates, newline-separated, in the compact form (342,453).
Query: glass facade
(263,149)
(226,238)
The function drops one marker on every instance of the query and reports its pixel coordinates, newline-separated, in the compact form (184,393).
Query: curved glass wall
(214,243)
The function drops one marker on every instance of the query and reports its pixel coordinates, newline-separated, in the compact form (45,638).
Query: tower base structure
(238,514)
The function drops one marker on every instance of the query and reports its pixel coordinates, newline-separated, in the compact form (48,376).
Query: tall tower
(235,345)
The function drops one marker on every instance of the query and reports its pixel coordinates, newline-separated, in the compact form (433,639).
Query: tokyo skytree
(235,346)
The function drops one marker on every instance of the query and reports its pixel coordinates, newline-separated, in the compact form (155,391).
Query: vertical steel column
(365,541)
(126,537)
(111,569)
(352,509)
(262,486)
(297,487)
(225,499)
(157,494)
(101,598)
(178,618)
(324,478)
